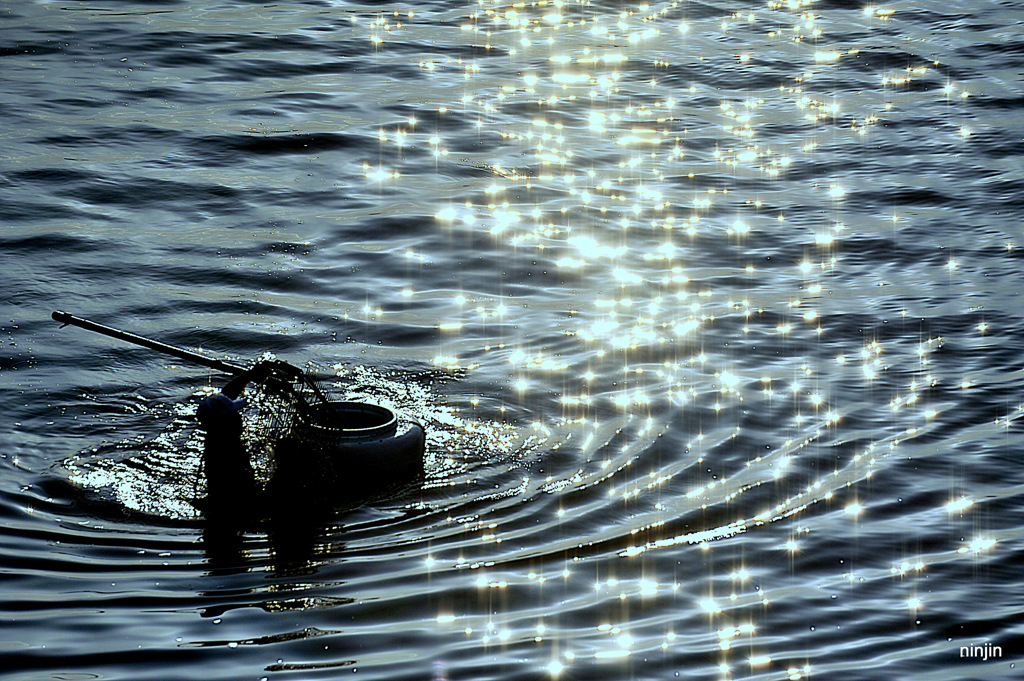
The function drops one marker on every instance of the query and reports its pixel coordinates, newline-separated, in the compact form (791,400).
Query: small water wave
(708,310)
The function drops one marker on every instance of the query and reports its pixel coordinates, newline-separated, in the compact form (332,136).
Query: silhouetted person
(231,485)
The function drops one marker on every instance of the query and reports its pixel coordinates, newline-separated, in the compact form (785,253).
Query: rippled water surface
(710,309)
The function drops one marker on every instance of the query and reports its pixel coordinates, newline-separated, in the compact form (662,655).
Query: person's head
(220,412)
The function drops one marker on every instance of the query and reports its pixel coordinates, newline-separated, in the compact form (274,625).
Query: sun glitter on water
(649,199)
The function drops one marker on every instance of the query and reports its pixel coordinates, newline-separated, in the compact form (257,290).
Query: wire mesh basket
(307,415)
(305,439)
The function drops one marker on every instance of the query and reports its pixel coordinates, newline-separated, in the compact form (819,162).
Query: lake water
(710,309)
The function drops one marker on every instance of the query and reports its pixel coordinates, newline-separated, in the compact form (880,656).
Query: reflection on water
(706,309)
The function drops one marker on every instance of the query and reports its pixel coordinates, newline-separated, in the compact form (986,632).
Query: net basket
(307,414)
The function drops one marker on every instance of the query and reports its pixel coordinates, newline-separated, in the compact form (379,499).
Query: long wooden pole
(220,365)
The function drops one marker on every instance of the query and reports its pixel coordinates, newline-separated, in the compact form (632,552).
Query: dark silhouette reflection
(293,545)
(292,542)
(288,550)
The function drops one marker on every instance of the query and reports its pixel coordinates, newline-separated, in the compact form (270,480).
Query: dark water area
(710,311)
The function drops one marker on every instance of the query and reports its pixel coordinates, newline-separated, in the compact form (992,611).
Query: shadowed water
(710,311)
